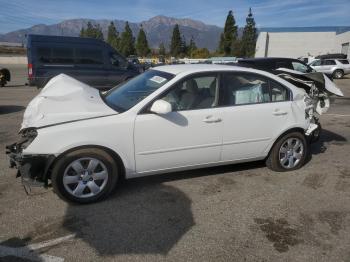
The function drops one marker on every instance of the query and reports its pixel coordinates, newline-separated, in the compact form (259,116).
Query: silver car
(335,67)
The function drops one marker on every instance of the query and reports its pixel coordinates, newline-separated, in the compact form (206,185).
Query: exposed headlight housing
(28,135)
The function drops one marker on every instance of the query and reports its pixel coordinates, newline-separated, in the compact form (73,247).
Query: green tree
(162,50)
(92,31)
(191,47)
(201,53)
(248,42)
(98,32)
(142,47)
(127,42)
(82,32)
(113,36)
(229,36)
(176,42)
(184,47)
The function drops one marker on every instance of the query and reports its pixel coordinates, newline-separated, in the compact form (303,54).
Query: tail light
(30,70)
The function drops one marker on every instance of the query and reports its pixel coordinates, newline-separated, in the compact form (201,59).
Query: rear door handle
(277,112)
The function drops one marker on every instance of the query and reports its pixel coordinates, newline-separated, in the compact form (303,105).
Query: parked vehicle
(5,76)
(332,56)
(335,67)
(169,118)
(136,63)
(89,60)
(273,63)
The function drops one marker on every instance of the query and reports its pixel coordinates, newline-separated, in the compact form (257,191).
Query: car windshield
(125,96)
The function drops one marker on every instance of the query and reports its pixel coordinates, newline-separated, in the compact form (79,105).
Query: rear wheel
(85,176)
(338,74)
(288,153)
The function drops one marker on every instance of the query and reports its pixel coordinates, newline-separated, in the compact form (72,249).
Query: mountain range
(158,30)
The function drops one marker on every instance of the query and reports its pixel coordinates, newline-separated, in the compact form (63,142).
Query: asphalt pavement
(239,212)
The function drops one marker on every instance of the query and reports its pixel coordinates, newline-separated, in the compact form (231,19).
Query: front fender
(115,135)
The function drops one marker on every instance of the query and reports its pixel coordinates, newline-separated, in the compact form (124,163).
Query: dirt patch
(343,185)
(314,180)
(279,232)
(220,184)
(345,172)
(334,219)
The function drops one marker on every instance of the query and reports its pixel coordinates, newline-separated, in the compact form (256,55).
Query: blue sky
(17,14)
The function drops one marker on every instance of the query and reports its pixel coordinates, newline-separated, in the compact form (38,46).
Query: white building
(297,44)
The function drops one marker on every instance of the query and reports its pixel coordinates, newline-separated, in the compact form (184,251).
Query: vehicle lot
(233,213)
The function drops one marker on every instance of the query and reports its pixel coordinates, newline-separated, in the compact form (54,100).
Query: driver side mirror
(161,107)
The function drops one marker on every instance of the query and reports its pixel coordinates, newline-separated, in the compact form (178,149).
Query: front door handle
(210,119)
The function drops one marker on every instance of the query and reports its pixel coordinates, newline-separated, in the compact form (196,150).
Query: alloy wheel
(291,152)
(85,177)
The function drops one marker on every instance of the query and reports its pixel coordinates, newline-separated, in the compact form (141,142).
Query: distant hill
(158,29)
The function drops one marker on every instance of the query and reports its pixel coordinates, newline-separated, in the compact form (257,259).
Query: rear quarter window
(344,61)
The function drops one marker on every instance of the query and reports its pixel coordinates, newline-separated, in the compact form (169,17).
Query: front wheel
(338,74)
(85,175)
(288,153)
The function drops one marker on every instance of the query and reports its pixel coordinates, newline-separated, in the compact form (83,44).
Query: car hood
(64,99)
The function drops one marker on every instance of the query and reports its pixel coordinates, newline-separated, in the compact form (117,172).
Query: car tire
(85,176)
(286,154)
(338,74)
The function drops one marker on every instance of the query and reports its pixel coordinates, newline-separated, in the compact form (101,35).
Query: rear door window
(245,88)
(329,62)
(62,55)
(89,56)
(250,88)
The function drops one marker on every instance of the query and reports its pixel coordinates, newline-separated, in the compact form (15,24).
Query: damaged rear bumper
(313,133)
(33,169)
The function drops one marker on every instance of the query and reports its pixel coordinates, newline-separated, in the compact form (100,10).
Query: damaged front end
(318,88)
(33,169)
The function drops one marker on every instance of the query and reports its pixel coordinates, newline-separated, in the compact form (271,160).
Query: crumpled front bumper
(33,169)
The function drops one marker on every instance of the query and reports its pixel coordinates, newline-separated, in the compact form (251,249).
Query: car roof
(197,68)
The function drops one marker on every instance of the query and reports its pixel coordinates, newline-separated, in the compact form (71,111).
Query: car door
(190,135)
(327,66)
(256,111)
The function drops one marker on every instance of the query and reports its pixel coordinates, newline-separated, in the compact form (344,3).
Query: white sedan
(167,119)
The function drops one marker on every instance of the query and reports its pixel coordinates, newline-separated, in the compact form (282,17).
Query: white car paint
(64,99)
(153,143)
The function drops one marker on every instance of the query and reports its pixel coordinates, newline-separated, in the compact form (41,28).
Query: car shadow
(326,137)
(143,216)
(8,109)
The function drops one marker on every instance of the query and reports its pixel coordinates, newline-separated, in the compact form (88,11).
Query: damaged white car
(167,119)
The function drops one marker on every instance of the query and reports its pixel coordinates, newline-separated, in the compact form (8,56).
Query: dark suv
(89,60)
